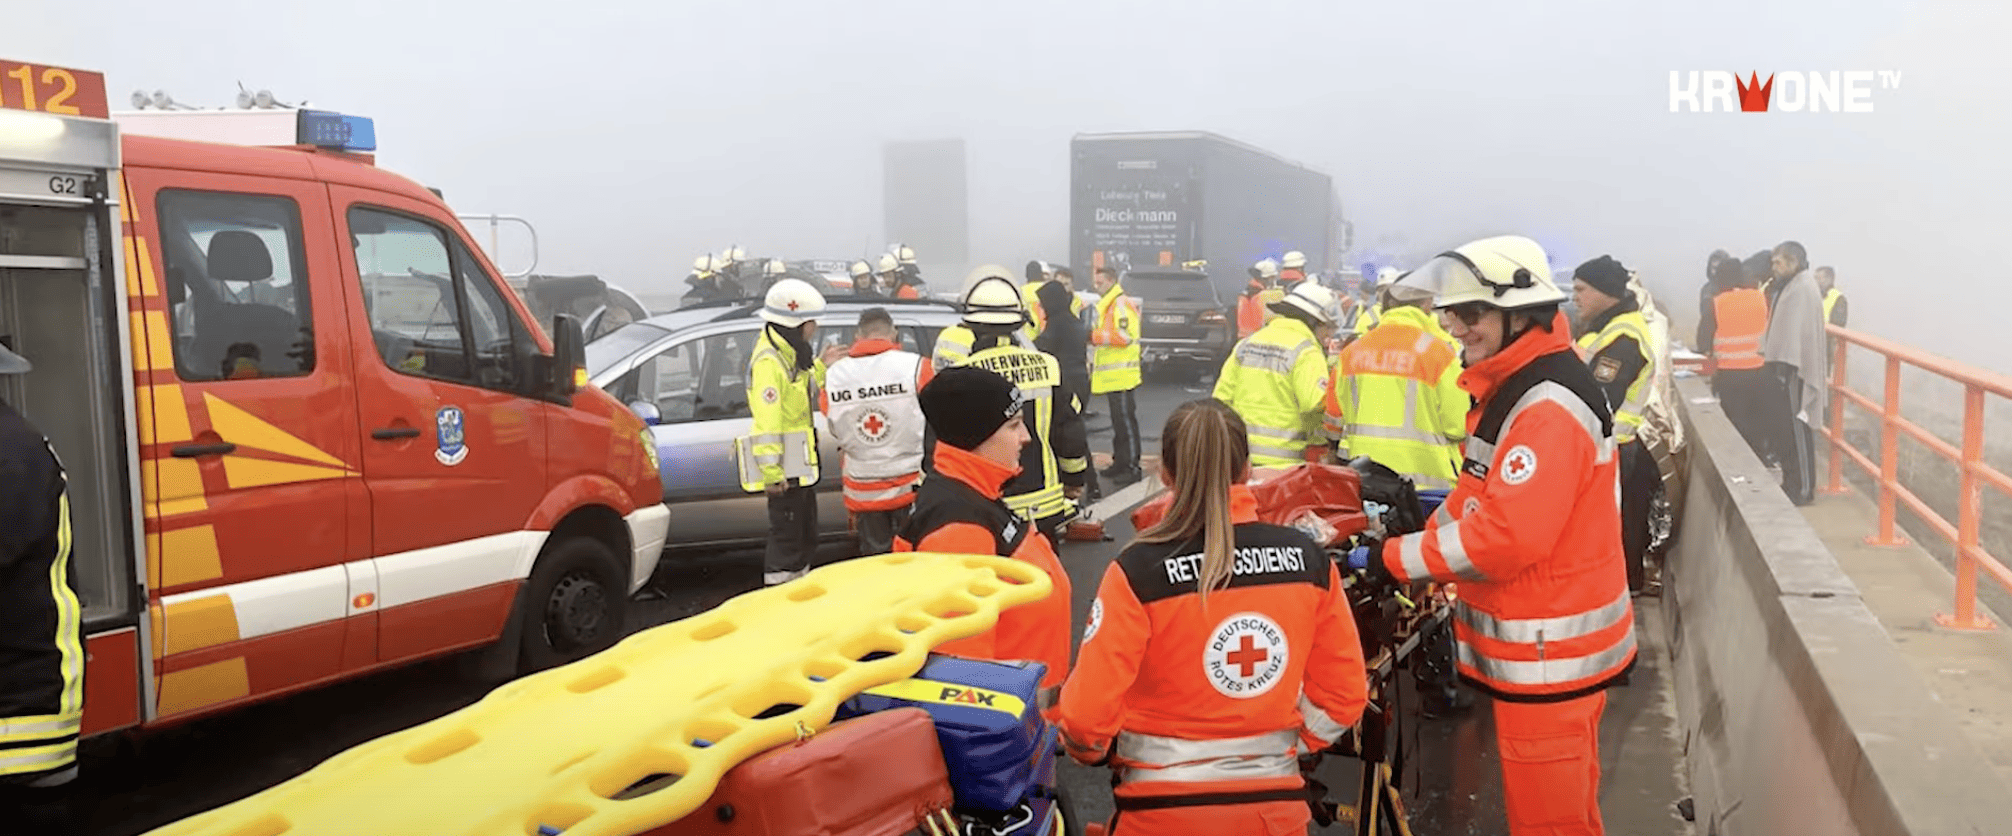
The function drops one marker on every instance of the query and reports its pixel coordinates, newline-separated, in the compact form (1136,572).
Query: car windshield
(1170,287)
(617,345)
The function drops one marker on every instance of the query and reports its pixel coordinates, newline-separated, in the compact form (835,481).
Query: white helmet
(888,264)
(705,264)
(1313,299)
(904,254)
(991,298)
(775,267)
(1294,260)
(860,268)
(792,302)
(1510,272)
(1387,275)
(1267,268)
(732,255)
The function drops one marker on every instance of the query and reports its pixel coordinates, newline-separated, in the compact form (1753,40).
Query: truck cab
(309,431)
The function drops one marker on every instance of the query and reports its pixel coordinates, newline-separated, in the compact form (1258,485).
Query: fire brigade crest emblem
(450,435)
(873,426)
(1245,656)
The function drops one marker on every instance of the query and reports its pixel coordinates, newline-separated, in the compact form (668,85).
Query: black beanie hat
(1035,270)
(966,404)
(1605,275)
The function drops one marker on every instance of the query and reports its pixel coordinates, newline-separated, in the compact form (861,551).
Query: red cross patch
(873,425)
(1246,655)
(1519,464)
(770,395)
(792,304)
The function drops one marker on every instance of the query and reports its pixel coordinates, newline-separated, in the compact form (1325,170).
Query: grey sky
(637,135)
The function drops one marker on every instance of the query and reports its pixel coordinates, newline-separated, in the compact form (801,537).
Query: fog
(638,135)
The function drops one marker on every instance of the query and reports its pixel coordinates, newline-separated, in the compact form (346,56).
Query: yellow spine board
(584,748)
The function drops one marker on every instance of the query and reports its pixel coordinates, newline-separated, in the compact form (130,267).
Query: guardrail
(1968,457)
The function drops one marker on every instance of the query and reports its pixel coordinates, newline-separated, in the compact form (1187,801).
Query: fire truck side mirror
(569,356)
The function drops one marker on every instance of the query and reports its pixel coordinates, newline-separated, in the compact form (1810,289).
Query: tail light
(1210,318)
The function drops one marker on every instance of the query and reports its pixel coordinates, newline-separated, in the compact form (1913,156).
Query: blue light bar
(323,129)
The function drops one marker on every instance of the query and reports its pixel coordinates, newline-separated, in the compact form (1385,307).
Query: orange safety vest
(1250,314)
(1741,314)
(1532,530)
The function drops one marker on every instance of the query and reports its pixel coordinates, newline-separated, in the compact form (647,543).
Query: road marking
(1118,503)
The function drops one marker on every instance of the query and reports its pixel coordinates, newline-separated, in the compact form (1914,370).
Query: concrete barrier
(1799,714)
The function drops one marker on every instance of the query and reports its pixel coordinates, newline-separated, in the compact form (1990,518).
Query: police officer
(1531,532)
(979,419)
(1277,379)
(870,397)
(1395,397)
(1115,372)
(41,637)
(1052,469)
(1616,345)
(779,457)
(1219,647)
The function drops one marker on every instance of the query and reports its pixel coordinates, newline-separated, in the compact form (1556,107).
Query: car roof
(1167,274)
(748,309)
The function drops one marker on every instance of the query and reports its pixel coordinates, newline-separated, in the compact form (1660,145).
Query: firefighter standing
(1218,650)
(1617,348)
(1395,394)
(1251,303)
(1115,373)
(1054,468)
(41,638)
(953,343)
(1531,532)
(1291,270)
(1277,379)
(779,457)
(870,397)
(979,421)
(907,282)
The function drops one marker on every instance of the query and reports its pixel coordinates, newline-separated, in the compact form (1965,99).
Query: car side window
(416,293)
(723,376)
(236,279)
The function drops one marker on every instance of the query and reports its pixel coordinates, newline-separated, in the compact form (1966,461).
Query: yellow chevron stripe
(187,690)
(257,473)
(152,342)
(171,486)
(247,430)
(188,555)
(194,625)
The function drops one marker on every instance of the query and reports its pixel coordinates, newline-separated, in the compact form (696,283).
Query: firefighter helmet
(991,298)
(889,264)
(732,255)
(1267,269)
(1294,260)
(1312,299)
(860,268)
(792,302)
(1510,272)
(775,267)
(904,254)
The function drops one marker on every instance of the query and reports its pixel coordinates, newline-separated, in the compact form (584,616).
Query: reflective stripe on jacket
(1395,397)
(870,397)
(1192,699)
(1277,380)
(1060,453)
(1741,317)
(41,621)
(1532,530)
(782,443)
(1114,366)
(1619,351)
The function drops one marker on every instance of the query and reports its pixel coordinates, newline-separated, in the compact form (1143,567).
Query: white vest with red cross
(878,424)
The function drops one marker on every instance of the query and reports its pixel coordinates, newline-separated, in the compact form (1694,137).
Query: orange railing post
(1969,513)
(1889,458)
(1839,382)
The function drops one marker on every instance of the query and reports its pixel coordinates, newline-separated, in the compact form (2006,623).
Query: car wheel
(576,604)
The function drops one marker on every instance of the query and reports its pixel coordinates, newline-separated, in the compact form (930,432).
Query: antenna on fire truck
(160,100)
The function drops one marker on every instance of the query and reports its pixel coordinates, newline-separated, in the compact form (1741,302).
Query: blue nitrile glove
(1358,558)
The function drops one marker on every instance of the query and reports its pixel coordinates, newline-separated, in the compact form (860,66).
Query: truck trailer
(1157,200)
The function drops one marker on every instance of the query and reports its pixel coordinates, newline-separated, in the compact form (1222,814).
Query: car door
(249,458)
(453,451)
(698,382)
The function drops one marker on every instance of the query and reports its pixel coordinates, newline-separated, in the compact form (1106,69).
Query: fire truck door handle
(190,451)
(394,433)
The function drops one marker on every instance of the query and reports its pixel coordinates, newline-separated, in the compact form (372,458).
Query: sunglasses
(1469,313)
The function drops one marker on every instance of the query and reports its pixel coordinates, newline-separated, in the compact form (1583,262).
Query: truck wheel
(576,605)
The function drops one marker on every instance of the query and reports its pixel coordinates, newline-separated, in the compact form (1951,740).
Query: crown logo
(1754,94)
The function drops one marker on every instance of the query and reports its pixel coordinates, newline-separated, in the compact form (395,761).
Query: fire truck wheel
(576,604)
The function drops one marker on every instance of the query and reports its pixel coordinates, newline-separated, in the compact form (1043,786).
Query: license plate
(1167,319)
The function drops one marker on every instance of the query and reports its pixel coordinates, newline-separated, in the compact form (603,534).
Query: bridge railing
(1968,457)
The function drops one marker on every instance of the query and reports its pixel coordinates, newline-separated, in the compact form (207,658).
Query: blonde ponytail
(1204,448)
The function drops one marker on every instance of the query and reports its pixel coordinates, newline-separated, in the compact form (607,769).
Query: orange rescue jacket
(1532,530)
(959,510)
(1184,698)
(1741,317)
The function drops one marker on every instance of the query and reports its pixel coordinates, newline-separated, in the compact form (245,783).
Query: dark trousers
(876,529)
(43,811)
(792,530)
(1052,526)
(1744,395)
(1639,478)
(1124,431)
(1793,441)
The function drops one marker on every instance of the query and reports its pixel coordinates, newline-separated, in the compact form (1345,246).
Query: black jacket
(1063,336)
(41,635)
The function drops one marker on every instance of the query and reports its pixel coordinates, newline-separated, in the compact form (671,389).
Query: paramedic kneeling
(976,416)
(1219,649)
